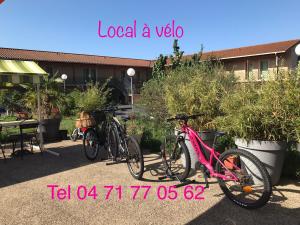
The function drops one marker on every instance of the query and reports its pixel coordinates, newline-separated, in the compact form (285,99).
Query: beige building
(259,62)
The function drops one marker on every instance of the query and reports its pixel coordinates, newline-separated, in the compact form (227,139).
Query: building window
(264,70)
(89,75)
(85,75)
(249,72)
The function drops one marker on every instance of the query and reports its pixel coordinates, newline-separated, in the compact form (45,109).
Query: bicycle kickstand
(171,175)
(205,175)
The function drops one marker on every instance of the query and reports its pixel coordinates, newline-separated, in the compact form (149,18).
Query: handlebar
(185,117)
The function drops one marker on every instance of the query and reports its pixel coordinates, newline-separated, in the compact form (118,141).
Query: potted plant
(89,104)
(262,118)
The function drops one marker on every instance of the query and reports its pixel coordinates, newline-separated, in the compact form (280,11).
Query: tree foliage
(177,55)
(159,67)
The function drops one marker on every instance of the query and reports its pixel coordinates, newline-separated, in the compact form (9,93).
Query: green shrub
(94,98)
(70,107)
(267,112)
(152,133)
(51,98)
(12,100)
(198,89)
(153,99)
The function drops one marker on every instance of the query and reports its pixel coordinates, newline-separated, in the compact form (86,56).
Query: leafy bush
(152,133)
(12,100)
(70,107)
(153,99)
(199,89)
(268,112)
(94,98)
(50,95)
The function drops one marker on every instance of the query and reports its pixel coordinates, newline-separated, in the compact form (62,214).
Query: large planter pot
(50,128)
(270,153)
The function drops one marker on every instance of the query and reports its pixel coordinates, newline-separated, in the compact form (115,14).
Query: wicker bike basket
(81,123)
(85,120)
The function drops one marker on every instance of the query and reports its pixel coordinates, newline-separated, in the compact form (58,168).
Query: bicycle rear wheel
(135,158)
(91,144)
(176,158)
(253,188)
(74,136)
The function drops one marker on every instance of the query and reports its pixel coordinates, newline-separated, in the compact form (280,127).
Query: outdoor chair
(8,139)
(30,135)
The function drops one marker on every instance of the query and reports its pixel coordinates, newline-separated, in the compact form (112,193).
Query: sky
(72,26)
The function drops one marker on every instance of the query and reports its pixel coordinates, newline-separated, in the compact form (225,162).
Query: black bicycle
(110,134)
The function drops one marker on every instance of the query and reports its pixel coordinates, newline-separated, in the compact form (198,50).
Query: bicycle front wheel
(135,158)
(113,142)
(91,144)
(253,186)
(176,158)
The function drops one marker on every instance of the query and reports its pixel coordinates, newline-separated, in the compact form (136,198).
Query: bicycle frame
(193,137)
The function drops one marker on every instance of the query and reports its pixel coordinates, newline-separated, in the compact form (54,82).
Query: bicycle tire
(113,143)
(185,158)
(135,154)
(264,174)
(74,135)
(90,139)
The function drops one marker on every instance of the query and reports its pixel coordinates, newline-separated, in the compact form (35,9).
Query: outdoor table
(21,124)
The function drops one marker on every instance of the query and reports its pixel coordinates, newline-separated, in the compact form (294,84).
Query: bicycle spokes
(249,185)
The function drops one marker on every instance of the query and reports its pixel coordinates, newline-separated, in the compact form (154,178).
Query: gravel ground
(25,198)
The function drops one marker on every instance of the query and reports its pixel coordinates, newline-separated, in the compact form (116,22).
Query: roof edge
(69,53)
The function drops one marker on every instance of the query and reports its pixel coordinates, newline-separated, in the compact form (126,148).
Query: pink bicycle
(241,175)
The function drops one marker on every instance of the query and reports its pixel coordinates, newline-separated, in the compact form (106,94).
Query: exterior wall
(239,66)
(292,58)
(77,78)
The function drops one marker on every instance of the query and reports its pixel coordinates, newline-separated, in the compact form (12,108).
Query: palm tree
(50,94)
